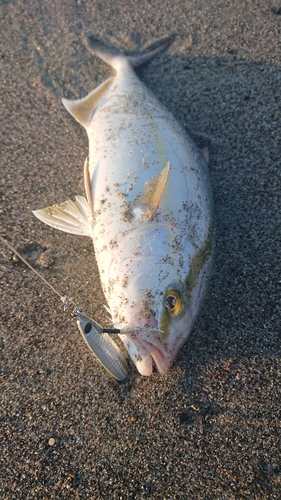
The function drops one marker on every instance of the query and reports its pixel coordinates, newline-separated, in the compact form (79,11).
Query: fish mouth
(162,354)
(146,336)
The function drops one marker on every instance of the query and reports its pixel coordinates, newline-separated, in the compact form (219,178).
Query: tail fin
(113,58)
(83,109)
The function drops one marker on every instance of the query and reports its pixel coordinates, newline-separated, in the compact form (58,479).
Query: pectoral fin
(149,198)
(70,216)
(83,109)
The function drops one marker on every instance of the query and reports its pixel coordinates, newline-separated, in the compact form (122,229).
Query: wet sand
(210,428)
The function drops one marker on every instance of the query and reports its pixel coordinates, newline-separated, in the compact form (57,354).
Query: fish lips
(145,335)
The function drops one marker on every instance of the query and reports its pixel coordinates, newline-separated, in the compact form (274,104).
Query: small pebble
(46,259)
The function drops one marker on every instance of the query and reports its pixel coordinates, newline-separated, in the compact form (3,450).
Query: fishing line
(96,337)
(32,268)
(76,311)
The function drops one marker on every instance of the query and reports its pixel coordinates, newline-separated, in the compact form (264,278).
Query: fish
(148,209)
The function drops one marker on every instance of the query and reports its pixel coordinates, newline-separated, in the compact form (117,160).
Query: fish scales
(148,210)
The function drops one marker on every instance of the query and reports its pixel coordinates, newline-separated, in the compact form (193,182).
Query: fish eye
(88,328)
(174,302)
(170,303)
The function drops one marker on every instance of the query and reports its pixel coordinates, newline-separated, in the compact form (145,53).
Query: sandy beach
(210,428)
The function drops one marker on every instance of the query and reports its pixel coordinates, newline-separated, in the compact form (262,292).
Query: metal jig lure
(97,338)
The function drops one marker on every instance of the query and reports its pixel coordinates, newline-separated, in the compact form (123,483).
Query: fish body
(148,210)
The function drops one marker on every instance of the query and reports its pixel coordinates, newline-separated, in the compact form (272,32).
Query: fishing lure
(97,338)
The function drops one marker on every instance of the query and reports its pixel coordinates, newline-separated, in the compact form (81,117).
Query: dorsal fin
(150,196)
(83,109)
(205,154)
(87,183)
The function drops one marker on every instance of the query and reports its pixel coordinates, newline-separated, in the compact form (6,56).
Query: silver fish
(148,209)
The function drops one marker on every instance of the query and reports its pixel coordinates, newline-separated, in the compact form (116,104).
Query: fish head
(159,327)
(154,299)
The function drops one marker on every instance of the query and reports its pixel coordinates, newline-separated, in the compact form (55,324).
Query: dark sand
(210,429)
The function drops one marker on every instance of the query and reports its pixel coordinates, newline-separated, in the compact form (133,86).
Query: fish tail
(113,58)
(144,58)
